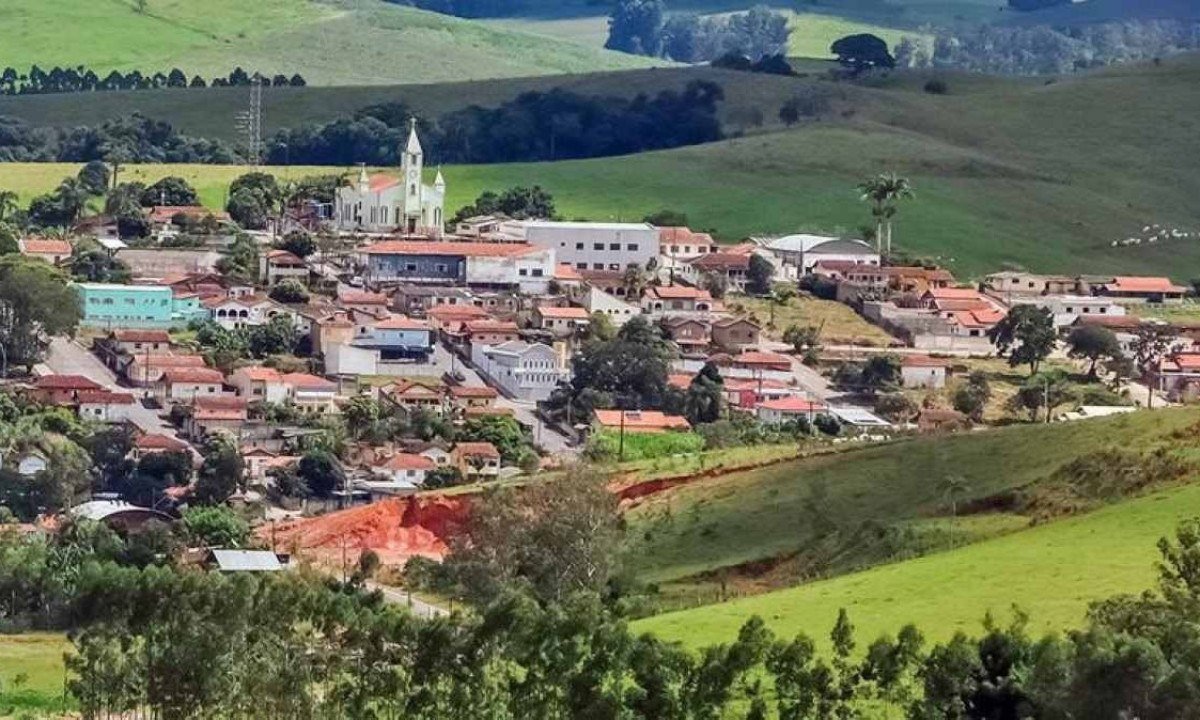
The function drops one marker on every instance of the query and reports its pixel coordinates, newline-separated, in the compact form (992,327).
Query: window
(598,246)
(410,267)
(614,246)
(598,266)
(442,267)
(537,272)
(578,246)
(523,272)
(614,266)
(137,346)
(632,247)
(581,266)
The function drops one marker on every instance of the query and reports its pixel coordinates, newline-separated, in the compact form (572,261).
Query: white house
(618,311)
(595,246)
(402,473)
(311,394)
(279,265)
(188,383)
(235,312)
(383,203)
(922,371)
(522,370)
(561,321)
(804,251)
(256,382)
(105,406)
(1069,308)
(790,409)
(677,300)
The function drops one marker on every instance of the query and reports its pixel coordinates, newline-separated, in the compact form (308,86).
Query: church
(384,203)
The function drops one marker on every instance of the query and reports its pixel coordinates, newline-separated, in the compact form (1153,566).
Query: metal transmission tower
(249,123)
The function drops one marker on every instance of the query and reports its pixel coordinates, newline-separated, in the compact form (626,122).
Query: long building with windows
(107,305)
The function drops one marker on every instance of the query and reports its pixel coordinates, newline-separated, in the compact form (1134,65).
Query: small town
(605,360)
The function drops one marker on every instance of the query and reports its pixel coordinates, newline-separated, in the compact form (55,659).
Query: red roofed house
(790,409)
(640,421)
(735,334)
(215,413)
(732,266)
(277,265)
(673,299)
(472,400)
(1178,376)
(362,300)
(140,342)
(62,389)
(974,323)
(188,383)
(405,471)
(51,250)
(1144,289)
(755,360)
(491,332)
(145,370)
(155,443)
(689,333)
(161,217)
(311,394)
(412,395)
(922,371)
(476,460)
(952,300)
(105,406)
(258,383)
(682,243)
(561,320)
(258,461)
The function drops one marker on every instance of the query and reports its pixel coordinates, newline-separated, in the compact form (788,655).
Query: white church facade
(385,203)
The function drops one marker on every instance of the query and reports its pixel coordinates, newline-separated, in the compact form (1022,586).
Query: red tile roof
(793,404)
(219,409)
(192,375)
(171,361)
(477,449)
(759,357)
(381,181)
(400,322)
(1143,285)
(283,257)
(164,213)
(564,313)
(678,235)
(978,319)
(679,292)
(955,294)
(155,441)
(1181,362)
(681,381)
(412,389)
(465,249)
(462,391)
(150,336)
(480,326)
(361,297)
(308,381)
(104,397)
(456,312)
(923,361)
(66,382)
(641,420)
(408,461)
(566,271)
(723,261)
(260,373)
(46,246)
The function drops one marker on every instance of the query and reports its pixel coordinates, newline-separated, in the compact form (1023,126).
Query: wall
(444,268)
(575,244)
(134,306)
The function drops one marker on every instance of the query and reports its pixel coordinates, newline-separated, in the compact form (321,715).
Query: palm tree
(953,486)
(8,204)
(74,197)
(884,191)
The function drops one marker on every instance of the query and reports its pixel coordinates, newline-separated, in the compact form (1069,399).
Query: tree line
(84,79)
(642,27)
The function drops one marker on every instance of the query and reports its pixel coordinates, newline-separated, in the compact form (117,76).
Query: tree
(880,372)
(705,396)
(94,177)
(862,52)
(519,203)
(298,243)
(804,339)
(759,275)
(884,192)
(1046,390)
(277,336)
(503,432)
(249,209)
(635,27)
(8,239)
(323,474)
(73,197)
(217,527)
(1031,329)
(221,472)
(92,263)
(667,218)
(241,259)
(953,487)
(633,366)
(1093,343)
(443,476)
(170,190)
(289,291)
(971,399)
(35,303)
(1150,345)
(9,204)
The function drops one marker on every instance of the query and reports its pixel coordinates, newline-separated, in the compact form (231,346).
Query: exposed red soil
(630,490)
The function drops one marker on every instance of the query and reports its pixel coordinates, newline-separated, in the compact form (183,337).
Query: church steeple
(414,144)
(439,182)
(363,181)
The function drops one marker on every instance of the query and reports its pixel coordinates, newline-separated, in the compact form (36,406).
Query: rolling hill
(339,42)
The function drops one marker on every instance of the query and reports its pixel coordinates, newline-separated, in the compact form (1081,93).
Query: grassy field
(31,671)
(751,516)
(1052,572)
(336,42)
(839,324)
(1188,312)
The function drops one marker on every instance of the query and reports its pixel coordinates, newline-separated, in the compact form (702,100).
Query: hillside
(336,42)
(1051,572)
(1096,11)
(871,502)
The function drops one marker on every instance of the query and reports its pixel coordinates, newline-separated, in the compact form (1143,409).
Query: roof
(803,242)
(308,381)
(679,292)
(66,382)
(381,181)
(157,441)
(45,246)
(104,397)
(1182,362)
(491,326)
(552,224)
(567,272)
(477,449)
(361,297)
(722,260)
(848,266)
(465,249)
(411,388)
(731,321)
(246,561)
(174,375)
(283,257)
(929,274)
(1121,322)
(463,391)
(142,336)
(102,509)
(978,318)
(858,417)
(1143,285)
(641,420)
(564,313)
(401,322)
(456,312)
(163,213)
(760,357)
(408,461)
(954,294)
(260,373)
(923,361)
(794,404)
(171,360)
(222,408)
(676,235)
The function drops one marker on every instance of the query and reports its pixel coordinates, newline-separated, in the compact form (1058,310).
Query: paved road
(420,608)
(67,357)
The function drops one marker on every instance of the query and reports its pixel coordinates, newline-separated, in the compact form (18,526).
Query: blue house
(417,262)
(396,338)
(134,306)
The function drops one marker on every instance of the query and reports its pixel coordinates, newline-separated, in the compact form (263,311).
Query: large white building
(383,203)
(522,370)
(589,245)
(805,251)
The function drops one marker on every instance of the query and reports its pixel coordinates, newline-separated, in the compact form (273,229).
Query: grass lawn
(839,324)
(813,33)
(764,514)
(1052,572)
(1187,312)
(31,671)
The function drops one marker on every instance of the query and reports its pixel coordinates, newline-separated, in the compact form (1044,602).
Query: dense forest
(83,79)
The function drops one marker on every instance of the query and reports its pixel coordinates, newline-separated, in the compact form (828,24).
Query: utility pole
(621,442)
(249,123)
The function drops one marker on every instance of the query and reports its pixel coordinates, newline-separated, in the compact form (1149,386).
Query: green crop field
(31,671)
(763,514)
(337,42)
(1052,572)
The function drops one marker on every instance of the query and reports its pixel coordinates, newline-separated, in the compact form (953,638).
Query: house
(117,515)
(790,409)
(151,443)
(805,251)
(609,281)
(145,370)
(562,321)
(311,394)
(209,414)
(259,461)
(411,395)
(923,371)
(414,300)
(735,334)
(184,384)
(51,250)
(396,338)
(522,370)
(1009,285)
(105,406)
(1144,289)
(681,243)
(476,460)
(639,421)
(62,389)
(689,333)
(593,245)
(480,225)
(677,299)
(278,265)
(405,469)
(167,218)
(363,301)
(31,462)
(383,203)
(1066,309)
(133,306)
(947,301)
(618,311)
(1178,375)
(732,267)
(755,360)
(246,311)
(157,262)
(974,323)
(140,342)
(478,264)
(491,332)
(473,400)
(258,383)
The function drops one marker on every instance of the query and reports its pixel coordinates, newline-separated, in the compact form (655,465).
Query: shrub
(937,87)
